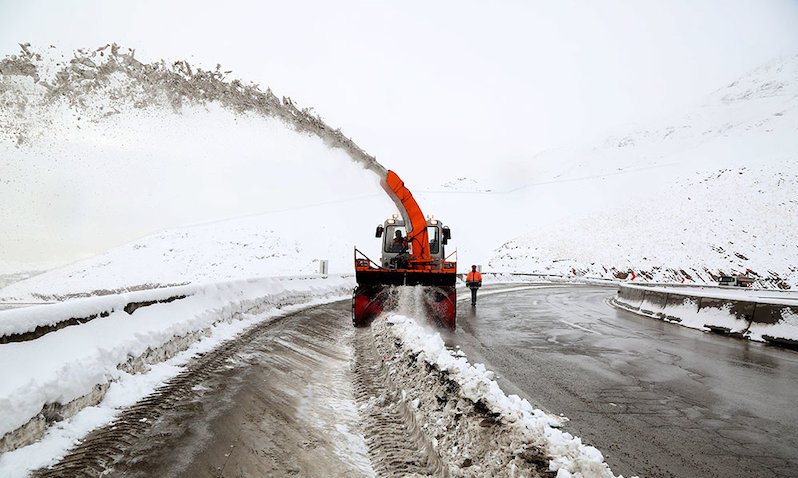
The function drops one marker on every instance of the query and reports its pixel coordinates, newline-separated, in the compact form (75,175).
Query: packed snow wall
(73,351)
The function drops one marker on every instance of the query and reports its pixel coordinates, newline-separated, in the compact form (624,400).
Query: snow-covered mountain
(713,191)
(113,145)
(204,253)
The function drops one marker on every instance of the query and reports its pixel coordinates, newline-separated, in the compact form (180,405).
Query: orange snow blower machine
(412,255)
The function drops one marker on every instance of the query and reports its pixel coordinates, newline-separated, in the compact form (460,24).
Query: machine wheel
(367,303)
(442,306)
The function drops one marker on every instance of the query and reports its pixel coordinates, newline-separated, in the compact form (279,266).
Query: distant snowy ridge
(695,235)
(6,279)
(714,193)
(199,254)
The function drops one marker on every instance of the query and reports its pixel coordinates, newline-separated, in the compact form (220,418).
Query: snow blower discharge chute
(412,255)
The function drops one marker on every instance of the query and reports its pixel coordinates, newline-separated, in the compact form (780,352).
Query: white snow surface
(569,457)
(782,297)
(28,318)
(240,249)
(711,190)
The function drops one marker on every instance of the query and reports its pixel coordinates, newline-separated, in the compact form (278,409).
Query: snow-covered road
(657,399)
(273,402)
(309,394)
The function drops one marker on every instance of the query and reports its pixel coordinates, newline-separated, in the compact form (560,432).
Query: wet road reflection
(658,399)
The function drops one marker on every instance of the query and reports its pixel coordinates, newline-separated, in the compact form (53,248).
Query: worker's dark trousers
(473,295)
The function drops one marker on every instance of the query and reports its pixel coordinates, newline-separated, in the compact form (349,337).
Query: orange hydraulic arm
(414,219)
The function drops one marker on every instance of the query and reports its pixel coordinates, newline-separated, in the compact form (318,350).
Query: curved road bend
(273,402)
(657,399)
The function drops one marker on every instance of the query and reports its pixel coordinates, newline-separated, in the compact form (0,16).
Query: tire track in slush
(397,445)
(112,445)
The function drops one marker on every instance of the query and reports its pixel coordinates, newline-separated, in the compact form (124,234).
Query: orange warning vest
(474,277)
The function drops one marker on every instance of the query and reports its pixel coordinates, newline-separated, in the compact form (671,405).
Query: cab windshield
(396,239)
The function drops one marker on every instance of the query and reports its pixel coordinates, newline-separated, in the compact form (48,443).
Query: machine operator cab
(396,247)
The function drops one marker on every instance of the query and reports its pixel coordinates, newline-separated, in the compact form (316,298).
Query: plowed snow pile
(473,425)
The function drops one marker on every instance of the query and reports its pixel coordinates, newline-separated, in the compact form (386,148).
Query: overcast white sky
(476,80)
(449,86)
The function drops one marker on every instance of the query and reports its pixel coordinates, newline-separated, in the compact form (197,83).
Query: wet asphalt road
(659,400)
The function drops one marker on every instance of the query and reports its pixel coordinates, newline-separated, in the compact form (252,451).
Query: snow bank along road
(762,315)
(658,400)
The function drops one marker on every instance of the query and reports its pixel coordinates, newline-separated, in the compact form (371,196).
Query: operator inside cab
(474,282)
(399,242)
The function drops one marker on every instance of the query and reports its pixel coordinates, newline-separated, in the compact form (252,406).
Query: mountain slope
(149,147)
(101,148)
(708,193)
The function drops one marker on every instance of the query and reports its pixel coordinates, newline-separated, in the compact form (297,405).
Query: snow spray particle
(411,302)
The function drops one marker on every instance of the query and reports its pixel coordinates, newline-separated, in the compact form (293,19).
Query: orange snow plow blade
(376,291)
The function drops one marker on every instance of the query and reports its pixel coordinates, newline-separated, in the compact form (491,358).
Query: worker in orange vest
(474,282)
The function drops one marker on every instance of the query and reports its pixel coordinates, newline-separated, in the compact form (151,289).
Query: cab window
(395,239)
(434,239)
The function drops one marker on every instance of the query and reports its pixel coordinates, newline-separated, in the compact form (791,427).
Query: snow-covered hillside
(174,257)
(101,149)
(713,191)
(6,279)
(113,146)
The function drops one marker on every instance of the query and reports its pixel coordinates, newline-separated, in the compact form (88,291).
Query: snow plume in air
(116,72)
(98,149)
